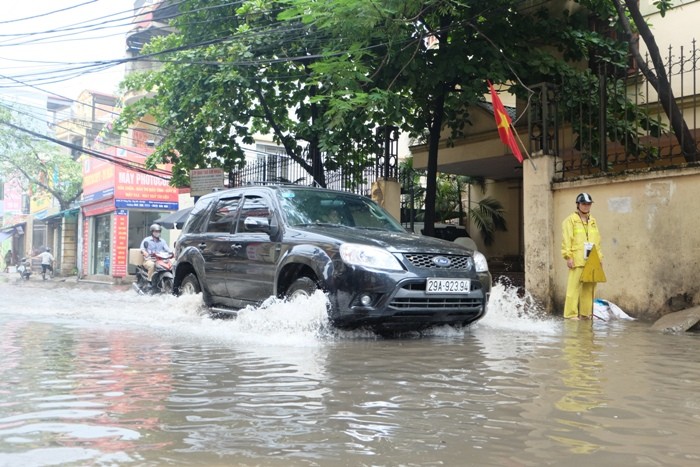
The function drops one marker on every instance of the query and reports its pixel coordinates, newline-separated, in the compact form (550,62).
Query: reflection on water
(581,379)
(91,377)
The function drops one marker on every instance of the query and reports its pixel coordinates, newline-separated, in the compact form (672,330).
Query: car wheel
(190,285)
(302,287)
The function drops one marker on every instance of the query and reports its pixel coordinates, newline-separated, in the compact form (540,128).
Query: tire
(166,285)
(302,287)
(140,280)
(190,285)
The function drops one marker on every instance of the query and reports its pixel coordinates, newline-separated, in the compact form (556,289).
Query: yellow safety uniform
(579,295)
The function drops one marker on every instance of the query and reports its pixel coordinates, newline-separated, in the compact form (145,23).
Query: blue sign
(98,195)
(145,204)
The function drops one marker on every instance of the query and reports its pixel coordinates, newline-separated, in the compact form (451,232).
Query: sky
(34,61)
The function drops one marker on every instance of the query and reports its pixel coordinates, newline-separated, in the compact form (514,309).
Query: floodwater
(105,377)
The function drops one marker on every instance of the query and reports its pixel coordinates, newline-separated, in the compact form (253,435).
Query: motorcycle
(162,280)
(24,268)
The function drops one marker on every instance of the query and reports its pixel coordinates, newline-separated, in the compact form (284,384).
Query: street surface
(98,375)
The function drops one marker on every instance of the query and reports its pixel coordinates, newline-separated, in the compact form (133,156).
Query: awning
(59,215)
(175,220)
(10,230)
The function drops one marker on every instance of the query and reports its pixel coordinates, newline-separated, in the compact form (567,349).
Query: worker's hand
(570,263)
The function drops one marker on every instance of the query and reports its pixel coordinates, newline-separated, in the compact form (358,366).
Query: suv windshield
(304,207)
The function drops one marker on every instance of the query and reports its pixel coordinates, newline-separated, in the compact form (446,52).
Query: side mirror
(257,224)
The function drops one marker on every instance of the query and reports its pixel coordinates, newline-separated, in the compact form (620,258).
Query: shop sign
(203,181)
(120,249)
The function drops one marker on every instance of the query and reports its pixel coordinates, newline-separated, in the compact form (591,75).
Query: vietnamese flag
(503,122)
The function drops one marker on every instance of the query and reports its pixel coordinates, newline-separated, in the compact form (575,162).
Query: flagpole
(524,148)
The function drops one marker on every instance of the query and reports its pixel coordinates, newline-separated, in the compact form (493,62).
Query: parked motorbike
(24,268)
(162,280)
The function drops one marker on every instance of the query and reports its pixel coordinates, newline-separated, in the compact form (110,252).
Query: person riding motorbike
(24,268)
(47,260)
(150,246)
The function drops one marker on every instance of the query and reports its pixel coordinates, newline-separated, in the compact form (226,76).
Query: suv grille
(426,261)
(427,303)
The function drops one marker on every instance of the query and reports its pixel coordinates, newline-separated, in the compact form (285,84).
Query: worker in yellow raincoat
(580,234)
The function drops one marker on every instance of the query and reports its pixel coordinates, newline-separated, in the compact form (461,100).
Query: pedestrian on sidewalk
(579,234)
(8,260)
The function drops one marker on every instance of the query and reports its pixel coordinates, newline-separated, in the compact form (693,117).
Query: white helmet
(155,227)
(584,198)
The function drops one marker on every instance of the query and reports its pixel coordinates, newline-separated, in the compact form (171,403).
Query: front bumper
(398,300)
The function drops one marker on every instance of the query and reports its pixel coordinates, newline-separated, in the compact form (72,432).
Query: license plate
(448,286)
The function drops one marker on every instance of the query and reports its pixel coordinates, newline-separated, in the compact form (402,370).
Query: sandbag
(606,311)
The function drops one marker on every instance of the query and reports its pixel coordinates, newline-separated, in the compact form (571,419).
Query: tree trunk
(435,128)
(659,81)
(317,168)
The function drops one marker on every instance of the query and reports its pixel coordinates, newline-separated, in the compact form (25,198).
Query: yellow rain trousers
(579,295)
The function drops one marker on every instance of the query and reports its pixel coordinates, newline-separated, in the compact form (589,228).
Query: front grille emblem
(442,261)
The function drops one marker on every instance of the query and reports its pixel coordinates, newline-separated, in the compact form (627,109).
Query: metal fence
(621,124)
(356,176)
(279,168)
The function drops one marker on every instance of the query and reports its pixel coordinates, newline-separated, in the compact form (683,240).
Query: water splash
(512,309)
(299,322)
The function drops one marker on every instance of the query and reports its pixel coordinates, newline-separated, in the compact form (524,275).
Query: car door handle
(236,246)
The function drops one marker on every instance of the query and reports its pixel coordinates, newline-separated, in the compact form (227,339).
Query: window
(253,206)
(224,215)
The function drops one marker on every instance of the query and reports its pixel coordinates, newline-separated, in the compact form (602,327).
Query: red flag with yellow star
(503,122)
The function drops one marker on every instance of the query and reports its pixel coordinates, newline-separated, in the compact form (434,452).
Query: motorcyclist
(47,260)
(24,268)
(150,246)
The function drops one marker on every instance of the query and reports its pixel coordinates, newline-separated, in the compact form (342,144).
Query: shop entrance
(100,263)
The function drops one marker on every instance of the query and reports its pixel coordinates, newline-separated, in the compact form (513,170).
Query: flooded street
(107,377)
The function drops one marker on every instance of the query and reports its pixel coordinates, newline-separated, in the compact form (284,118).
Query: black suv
(243,245)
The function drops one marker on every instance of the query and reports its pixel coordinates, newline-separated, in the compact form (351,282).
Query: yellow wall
(649,237)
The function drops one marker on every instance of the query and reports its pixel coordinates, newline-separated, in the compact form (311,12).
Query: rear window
(198,217)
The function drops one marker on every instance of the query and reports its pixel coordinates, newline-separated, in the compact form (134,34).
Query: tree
(230,71)
(320,76)
(39,166)
(658,77)
(431,59)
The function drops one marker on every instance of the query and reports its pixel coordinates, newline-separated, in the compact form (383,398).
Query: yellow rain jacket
(575,234)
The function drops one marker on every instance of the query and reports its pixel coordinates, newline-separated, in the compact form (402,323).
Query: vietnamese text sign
(119,240)
(203,181)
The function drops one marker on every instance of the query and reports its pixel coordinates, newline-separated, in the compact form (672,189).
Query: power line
(159,173)
(17,20)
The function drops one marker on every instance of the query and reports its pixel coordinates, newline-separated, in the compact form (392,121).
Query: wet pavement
(93,374)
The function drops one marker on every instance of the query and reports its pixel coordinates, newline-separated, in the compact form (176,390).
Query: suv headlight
(369,256)
(480,262)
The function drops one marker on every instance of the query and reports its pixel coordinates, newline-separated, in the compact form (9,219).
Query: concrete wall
(649,237)
(69,246)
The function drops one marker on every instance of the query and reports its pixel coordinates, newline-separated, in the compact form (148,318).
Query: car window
(224,215)
(253,206)
(198,216)
(298,208)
